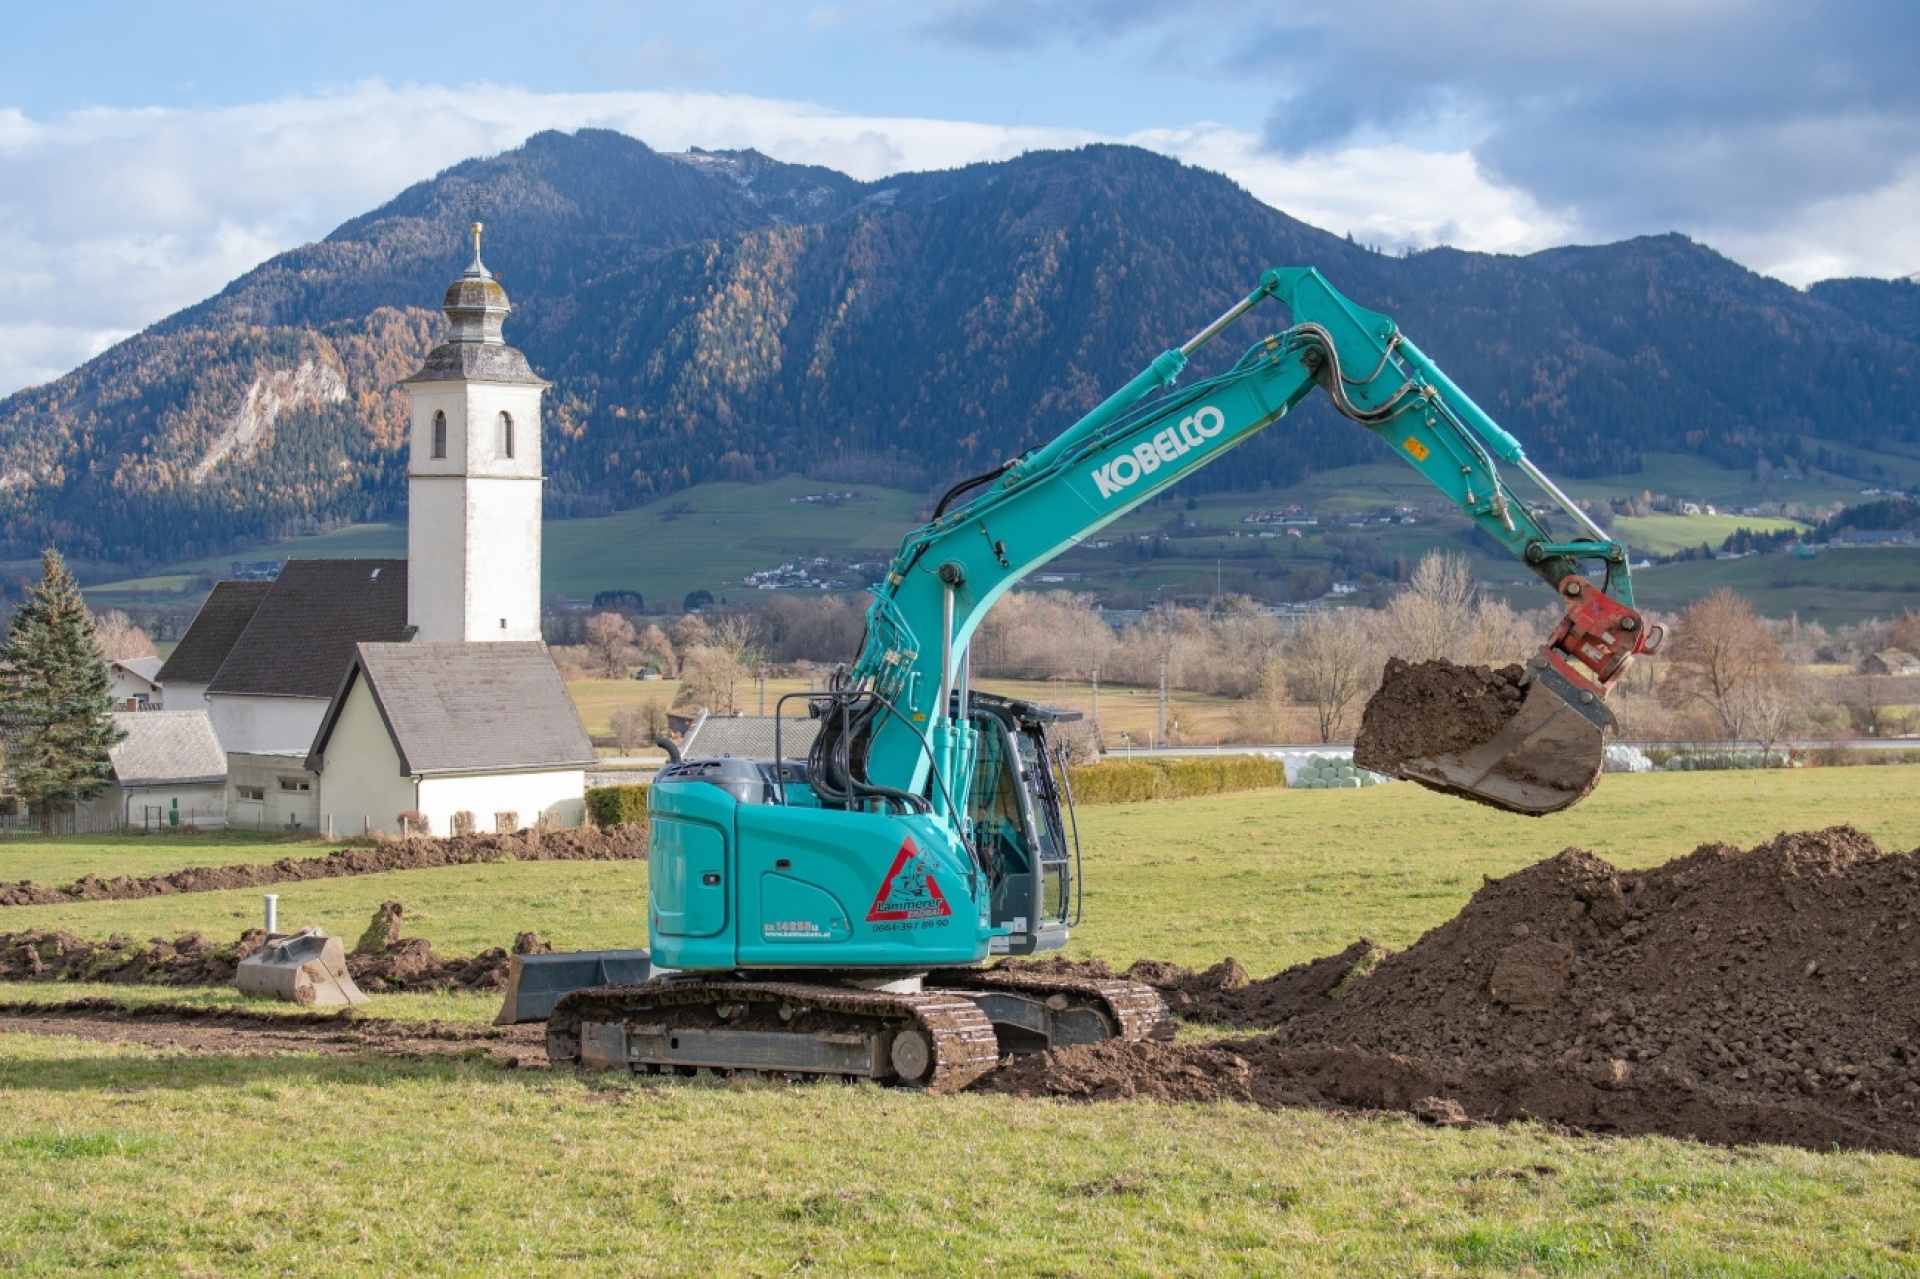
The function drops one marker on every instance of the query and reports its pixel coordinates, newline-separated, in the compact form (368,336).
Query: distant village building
(388,695)
(1890,661)
(136,683)
(168,770)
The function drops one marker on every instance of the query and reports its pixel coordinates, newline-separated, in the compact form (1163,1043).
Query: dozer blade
(1546,758)
(307,967)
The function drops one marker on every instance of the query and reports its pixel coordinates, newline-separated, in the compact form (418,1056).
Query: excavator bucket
(1428,724)
(307,967)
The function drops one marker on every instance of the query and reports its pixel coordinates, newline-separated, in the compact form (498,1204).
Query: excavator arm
(910,743)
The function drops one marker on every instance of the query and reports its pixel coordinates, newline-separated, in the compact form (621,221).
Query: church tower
(473,476)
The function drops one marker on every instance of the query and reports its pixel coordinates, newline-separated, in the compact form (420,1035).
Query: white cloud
(112,219)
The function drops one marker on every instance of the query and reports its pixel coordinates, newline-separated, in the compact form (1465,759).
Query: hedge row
(1112,782)
(1132,780)
(617,805)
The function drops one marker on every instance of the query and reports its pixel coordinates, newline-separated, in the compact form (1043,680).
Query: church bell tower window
(439,434)
(506,434)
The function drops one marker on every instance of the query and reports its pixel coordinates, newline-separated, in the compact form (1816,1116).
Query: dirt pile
(1434,708)
(1728,996)
(383,960)
(612,843)
(189,960)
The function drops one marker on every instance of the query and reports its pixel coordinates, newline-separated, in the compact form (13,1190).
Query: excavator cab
(1014,812)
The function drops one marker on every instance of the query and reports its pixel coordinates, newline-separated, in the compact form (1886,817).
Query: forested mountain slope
(725,316)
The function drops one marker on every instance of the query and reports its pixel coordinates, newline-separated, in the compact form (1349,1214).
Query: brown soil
(1728,996)
(395,963)
(1434,708)
(244,1031)
(613,843)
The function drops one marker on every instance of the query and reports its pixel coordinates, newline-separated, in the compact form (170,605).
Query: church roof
(301,637)
(215,629)
(466,708)
(476,362)
(163,748)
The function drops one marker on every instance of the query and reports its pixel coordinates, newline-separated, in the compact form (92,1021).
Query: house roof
(301,638)
(748,737)
(167,748)
(466,708)
(147,668)
(216,627)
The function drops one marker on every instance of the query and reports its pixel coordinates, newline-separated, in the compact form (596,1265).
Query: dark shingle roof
(302,636)
(196,659)
(167,748)
(749,737)
(467,708)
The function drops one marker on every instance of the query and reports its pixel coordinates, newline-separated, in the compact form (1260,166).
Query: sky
(151,153)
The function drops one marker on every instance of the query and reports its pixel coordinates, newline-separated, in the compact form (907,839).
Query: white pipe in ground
(273,913)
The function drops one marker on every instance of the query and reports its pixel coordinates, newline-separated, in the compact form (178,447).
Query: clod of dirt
(531,944)
(1727,996)
(383,933)
(188,960)
(591,843)
(1427,709)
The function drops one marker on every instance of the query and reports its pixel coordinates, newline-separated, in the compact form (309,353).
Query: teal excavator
(835,915)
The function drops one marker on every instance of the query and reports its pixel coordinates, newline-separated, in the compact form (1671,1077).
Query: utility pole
(760,673)
(1094,715)
(1161,739)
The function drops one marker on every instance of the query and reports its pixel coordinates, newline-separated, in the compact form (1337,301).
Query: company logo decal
(909,891)
(1145,458)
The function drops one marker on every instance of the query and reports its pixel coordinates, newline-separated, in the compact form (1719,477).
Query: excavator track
(933,1040)
(1134,1010)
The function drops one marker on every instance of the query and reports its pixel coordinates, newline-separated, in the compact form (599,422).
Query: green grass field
(1665,534)
(149,1161)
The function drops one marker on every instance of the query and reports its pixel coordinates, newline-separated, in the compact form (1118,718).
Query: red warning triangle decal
(909,891)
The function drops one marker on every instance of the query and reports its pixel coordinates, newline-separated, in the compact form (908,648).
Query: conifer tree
(55,696)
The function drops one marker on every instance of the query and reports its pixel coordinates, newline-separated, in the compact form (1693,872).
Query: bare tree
(610,639)
(637,725)
(1435,617)
(1771,708)
(1718,652)
(119,638)
(1331,663)
(710,679)
(1903,632)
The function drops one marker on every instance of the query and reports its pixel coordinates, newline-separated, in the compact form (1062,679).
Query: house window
(257,794)
(295,784)
(439,434)
(506,434)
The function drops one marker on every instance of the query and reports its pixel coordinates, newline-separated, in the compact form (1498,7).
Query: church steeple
(473,475)
(476,305)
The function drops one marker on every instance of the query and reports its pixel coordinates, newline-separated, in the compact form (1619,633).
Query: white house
(463,735)
(168,770)
(136,683)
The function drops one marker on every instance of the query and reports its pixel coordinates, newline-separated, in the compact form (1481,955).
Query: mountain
(1890,305)
(726,316)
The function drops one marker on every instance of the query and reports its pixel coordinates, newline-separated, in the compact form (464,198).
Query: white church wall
(503,554)
(248,723)
(558,792)
(473,526)
(187,697)
(361,785)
